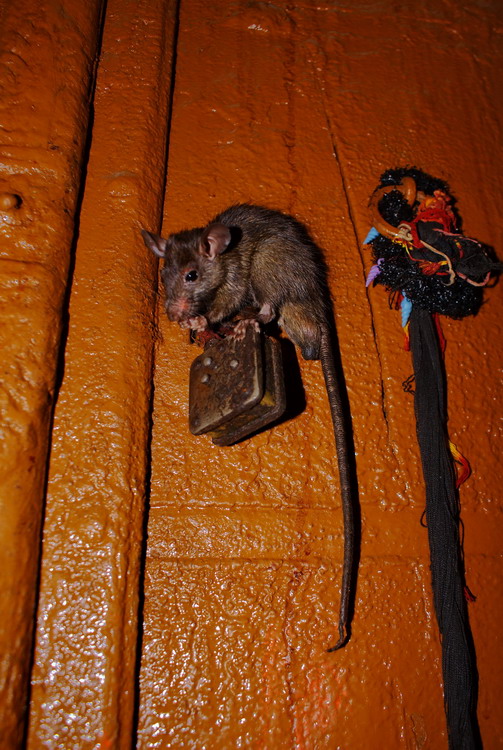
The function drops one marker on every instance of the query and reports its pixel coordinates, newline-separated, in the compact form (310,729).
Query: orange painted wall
(187,593)
(46,63)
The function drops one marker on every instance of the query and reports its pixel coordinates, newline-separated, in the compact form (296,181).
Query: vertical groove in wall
(60,358)
(78,205)
(43,127)
(84,676)
(156,226)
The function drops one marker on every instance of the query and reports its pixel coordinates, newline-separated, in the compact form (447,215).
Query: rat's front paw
(196,323)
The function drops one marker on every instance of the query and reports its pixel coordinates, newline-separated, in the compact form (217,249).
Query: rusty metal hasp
(236,387)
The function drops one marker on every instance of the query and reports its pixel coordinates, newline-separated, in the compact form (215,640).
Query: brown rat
(251,256)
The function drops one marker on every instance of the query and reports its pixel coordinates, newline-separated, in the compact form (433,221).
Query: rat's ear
(215,239)
(155,243)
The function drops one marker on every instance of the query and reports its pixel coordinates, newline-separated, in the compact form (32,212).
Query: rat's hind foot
(266,313)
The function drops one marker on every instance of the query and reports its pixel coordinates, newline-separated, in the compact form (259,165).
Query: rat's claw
(241,327)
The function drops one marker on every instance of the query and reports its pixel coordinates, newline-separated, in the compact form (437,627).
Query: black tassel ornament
(430,268)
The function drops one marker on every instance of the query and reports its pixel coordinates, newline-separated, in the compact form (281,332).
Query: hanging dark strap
(442,517)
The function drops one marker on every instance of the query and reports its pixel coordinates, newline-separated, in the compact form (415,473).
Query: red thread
(469,596)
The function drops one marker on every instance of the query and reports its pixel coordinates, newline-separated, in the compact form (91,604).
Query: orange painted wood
(85,658)
(216,636)
(46,63)
(301,108)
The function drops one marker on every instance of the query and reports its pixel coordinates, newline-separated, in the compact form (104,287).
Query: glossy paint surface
(301,107)
(188,592)
(46,54)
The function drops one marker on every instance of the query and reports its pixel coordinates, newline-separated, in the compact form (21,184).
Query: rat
(252,256)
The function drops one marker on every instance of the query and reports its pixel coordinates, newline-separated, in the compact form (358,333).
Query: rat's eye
(191,275)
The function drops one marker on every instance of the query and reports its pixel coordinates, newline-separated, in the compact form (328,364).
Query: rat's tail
(342,434)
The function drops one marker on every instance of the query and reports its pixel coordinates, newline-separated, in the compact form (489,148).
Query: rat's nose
(178,310)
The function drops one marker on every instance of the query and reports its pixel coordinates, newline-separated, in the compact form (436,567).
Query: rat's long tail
(342,442)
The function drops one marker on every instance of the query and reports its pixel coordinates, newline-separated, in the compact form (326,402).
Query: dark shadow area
(148,471)
(294,387)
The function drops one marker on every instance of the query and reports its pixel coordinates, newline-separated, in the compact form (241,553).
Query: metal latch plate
(236,387)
